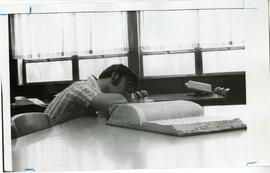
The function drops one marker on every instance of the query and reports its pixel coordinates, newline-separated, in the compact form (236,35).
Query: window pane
(96,66)
(49,71)
(173,64)
(223,61)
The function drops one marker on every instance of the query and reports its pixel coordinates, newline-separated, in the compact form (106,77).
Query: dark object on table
(199,88)
(221,91)
(23,105)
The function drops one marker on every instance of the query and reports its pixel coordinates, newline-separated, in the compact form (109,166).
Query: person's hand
(112,108)
(221,91)
(139,96)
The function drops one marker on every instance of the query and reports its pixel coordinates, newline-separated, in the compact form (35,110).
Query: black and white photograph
(135,85)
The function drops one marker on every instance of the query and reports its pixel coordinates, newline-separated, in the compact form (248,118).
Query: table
(200,99)
(89,144)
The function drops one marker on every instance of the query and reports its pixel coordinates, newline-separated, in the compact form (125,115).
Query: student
(84,98)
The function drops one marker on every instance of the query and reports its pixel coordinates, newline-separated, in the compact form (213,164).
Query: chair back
(27,123)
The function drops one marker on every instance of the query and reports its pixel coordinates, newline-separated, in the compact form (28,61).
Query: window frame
(198,60)
(135,56)
(75,65)
(197,55)
(75,58)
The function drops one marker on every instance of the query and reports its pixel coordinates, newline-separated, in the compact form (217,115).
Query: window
(223,61)
(96,66)
(172,64)
(180,43)
(205,41)
(55,71)
(49,41)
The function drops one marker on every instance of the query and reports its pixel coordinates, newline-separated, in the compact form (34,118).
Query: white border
(45,6)
(4,54)
(253,82)
(1,127)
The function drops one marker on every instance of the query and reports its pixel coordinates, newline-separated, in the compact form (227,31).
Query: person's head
(121,79)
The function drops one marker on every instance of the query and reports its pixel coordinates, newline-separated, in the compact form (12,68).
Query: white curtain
(109,32)
(219,28)
(168,30)
(65,34)
(42,36)
(163,30)
(185,29)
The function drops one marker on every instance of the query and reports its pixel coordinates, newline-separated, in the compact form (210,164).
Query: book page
(191,120)
(168,110)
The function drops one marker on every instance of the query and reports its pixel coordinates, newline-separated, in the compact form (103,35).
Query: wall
(257,74)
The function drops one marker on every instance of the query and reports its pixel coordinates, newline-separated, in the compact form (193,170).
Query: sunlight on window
(49,71)
(96,66)
(48,36)
(174,64)
(187,29)
(224,61)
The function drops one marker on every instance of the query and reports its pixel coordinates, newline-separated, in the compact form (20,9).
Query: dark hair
(121,70)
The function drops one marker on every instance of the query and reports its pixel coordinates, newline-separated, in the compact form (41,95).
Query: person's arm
(103,101)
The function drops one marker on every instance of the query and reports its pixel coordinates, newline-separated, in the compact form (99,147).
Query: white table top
(89,144)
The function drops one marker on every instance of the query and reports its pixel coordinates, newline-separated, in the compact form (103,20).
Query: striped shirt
(74,101)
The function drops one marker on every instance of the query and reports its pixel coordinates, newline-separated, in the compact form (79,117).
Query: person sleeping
(84,98)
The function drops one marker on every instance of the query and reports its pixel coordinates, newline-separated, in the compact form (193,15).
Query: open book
(179,118)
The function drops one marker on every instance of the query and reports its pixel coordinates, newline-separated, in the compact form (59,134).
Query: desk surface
(201,99)
(89,144)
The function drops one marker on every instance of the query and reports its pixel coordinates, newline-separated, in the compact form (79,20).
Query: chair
(27,123)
